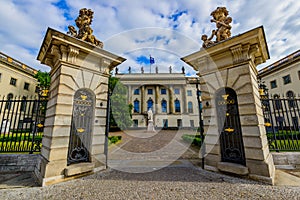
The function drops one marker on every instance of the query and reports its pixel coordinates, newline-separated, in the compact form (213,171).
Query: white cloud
(121,23)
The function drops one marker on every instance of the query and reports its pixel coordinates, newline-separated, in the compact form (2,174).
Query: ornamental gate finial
(222,20)
(85,33)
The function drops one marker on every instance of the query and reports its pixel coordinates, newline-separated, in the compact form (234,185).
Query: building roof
(280,64)
(17,64)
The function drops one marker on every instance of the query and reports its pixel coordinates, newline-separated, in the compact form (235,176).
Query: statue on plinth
(150,127)
(223,31)
(85,32)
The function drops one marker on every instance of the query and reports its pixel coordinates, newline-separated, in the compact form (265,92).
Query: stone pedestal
(76,66)
(150,127)
(231,64)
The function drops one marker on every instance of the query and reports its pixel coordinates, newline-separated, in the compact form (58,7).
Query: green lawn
(286,145)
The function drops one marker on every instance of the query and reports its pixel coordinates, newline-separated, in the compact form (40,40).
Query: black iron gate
(21,124)
(81,129)
(231,141)
(282,122)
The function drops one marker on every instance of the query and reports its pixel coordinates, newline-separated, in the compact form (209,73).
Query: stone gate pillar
(74,133)
(230,65)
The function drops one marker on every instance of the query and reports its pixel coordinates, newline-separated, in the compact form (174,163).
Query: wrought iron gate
(231,141)
(81,129)
(21,124)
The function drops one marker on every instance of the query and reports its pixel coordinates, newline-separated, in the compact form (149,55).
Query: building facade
(17,86)
(172,98)
(281,107)
(282,78)
(16,79)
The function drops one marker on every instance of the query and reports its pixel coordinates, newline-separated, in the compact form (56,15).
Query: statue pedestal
(228,81)
(150,127)
(76,110)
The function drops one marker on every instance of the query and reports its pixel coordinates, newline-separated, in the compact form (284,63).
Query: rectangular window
(299,75)
(136,92)
(286,79)
(26,86)
(189,92)
(0,76)
(135,123)
(177,91)
(163,91)
(179,123)
(37,89)
(150,91)
(192,124)
(13,81)
(273,84)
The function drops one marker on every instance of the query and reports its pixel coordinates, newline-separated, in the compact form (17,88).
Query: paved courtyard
(140,170)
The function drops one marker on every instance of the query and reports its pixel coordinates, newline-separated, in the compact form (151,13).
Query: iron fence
(21,124)
(282,123)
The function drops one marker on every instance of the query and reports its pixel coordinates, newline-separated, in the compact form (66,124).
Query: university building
(282,78)
(171,96)
(16,79)
(17,83)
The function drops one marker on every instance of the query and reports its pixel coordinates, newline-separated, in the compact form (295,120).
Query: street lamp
(201,129)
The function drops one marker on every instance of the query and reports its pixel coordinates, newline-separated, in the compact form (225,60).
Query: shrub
(193,139)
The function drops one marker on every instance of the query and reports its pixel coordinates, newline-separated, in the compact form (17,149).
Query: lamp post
(109,93)
(200,122)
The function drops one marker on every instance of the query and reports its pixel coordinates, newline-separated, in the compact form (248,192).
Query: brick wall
(18,162)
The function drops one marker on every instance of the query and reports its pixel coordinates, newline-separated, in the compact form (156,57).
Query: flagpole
(150,64)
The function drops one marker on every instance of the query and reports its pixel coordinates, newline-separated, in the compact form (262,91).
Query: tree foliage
(120,114)
(44,81)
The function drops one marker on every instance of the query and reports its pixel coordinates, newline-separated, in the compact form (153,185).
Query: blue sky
(166,30)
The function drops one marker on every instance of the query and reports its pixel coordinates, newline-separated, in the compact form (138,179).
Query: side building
(171,96)
(16,79)
(282,78)
(282,81)
(17,85)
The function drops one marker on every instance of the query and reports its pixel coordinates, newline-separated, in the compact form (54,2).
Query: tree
(44,81)
(120,113)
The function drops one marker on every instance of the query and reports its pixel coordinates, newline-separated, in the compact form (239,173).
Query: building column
(142,98)
(184,103)
(157,104)
(171,99)
(129,94)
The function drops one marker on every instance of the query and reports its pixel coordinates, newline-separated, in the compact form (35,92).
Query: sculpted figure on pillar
(223,31)
(85,32)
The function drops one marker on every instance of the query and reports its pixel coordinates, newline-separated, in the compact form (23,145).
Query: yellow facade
(16,78)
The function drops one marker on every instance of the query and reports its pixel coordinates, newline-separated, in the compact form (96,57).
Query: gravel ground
(180,180)
(168,183)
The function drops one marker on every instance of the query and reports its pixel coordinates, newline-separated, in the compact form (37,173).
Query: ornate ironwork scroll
(81,129)
(229,126)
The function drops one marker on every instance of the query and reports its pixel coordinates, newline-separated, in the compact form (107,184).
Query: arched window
(277,102)
(23,104)
(150,104)
(10,96)
(290,96)
(177,105)
(136,106)
(164,106)
(190,107)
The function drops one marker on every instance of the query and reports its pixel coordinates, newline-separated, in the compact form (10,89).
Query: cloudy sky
(134,29)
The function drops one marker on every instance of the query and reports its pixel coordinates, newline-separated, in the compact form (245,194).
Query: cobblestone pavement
(180,179)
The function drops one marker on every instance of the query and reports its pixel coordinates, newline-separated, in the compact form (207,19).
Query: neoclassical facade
(171,96)
(282,78)
(16,79)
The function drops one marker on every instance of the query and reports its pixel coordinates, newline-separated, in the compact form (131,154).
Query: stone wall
(18,162)
(286,160)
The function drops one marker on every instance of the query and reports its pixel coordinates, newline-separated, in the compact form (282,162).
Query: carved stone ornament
(85,32)
(222,20)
